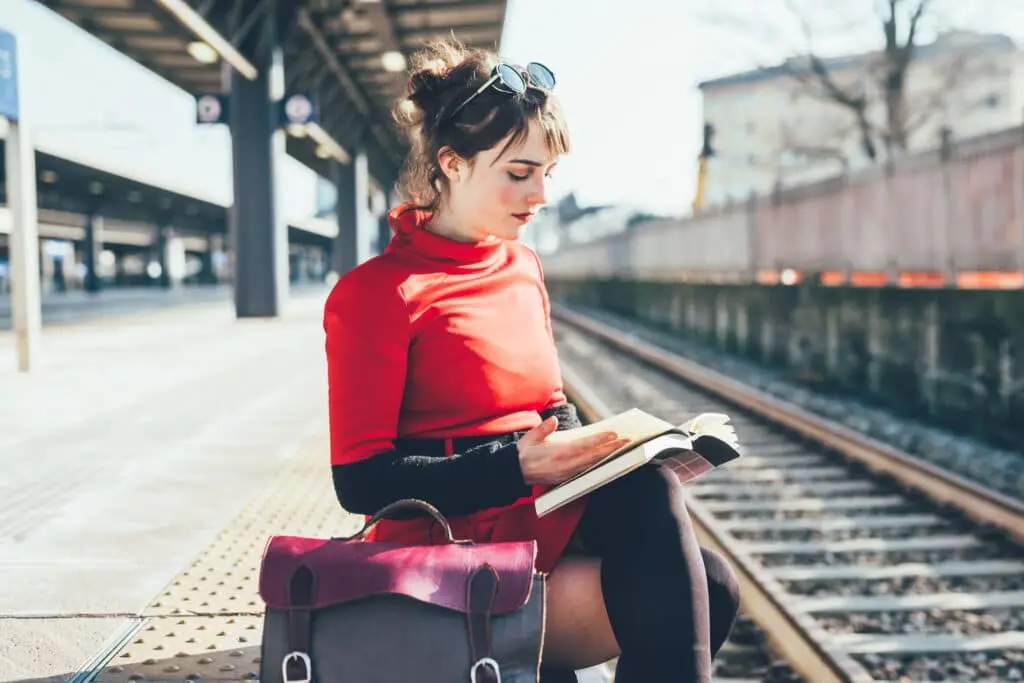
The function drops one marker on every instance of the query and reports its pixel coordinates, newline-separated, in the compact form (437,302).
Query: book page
(634,424)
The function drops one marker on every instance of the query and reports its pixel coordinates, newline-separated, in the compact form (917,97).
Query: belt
(441,448)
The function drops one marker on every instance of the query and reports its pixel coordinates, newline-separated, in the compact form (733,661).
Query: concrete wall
(952,356)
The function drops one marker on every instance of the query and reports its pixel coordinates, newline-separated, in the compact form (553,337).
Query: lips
(523,217)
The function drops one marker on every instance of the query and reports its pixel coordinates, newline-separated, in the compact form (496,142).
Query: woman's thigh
(578,634)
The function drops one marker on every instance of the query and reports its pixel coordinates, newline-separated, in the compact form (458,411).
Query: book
(699,445)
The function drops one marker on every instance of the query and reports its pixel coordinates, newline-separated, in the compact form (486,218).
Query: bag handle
(398,505)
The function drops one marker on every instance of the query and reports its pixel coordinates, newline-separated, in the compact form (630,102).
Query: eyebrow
(528,162)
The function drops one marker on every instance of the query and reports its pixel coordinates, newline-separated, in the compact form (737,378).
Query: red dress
(440,339)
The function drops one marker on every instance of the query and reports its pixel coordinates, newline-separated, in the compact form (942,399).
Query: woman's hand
(544,462)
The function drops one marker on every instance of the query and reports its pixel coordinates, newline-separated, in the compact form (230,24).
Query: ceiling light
(202,52)
(327,147)
(393,61)
(194,22)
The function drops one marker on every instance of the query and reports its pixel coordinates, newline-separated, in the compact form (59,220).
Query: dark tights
(671,604)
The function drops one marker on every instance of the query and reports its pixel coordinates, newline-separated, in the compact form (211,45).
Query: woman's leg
(653,577)
(723,598)
(579,634)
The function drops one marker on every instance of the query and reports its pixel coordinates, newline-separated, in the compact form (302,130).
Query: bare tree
(882,110)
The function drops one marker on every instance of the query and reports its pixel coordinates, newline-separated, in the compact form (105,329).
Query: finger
(604,450)
(541,431)
(548,425)
(587,454)
(598,440)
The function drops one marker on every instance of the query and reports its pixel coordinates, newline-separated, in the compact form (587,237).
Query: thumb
(541,431)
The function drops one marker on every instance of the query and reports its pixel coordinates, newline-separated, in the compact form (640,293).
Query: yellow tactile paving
(189,648)
(206,623)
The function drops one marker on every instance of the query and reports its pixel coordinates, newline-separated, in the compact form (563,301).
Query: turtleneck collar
(409,222)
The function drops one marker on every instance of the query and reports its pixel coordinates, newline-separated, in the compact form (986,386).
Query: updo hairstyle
(444,75)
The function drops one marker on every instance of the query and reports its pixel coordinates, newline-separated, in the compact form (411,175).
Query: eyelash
(521,178)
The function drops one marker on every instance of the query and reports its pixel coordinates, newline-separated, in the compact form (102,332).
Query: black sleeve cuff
(566,414)
(457,485)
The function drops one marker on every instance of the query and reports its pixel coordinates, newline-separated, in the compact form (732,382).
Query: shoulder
(526,256)
(375,286)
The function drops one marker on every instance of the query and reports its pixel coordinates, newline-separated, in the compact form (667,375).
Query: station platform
(144,465)
(78,306)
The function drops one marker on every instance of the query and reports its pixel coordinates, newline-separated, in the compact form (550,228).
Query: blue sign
(8,76)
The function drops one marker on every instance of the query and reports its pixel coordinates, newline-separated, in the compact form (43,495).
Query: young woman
(444,383)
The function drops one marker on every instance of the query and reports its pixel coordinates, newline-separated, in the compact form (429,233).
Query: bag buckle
(480,663)
(306,662)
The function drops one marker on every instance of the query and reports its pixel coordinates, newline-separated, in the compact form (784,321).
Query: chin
(509,230)
(512,233)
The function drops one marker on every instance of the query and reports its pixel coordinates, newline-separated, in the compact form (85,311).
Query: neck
(447,224)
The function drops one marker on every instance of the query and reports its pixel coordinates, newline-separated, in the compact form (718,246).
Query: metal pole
(21,198)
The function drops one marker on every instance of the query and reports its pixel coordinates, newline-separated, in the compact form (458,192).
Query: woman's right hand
(544,462)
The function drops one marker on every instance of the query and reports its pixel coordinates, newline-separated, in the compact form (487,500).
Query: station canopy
(351,53)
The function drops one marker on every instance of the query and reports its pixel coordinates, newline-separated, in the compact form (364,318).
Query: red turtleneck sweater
(441,339)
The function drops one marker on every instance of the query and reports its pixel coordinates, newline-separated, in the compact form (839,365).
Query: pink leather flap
(435,574)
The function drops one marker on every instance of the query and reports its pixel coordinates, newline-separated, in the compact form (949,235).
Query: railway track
(857,562)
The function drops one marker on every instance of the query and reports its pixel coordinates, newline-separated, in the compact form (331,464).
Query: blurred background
(821,200)
(794,91)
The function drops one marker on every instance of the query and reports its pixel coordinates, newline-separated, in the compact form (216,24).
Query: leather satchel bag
(346,610)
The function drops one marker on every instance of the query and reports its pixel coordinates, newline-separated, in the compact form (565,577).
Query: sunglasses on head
(506,78)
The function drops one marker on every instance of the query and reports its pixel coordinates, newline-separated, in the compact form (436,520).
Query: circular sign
(298,109)
(208,108)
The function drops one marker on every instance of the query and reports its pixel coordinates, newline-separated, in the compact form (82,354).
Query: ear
(451,164)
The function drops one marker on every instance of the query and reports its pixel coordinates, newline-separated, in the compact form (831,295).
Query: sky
(627,77)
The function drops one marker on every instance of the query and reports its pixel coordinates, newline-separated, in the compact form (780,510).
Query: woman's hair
(443,75)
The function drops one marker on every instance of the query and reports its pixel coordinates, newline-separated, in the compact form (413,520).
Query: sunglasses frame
(499,81)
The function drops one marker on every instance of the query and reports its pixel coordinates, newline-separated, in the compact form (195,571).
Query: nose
(538,195)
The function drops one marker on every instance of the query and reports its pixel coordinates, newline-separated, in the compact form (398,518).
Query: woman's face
(501,191)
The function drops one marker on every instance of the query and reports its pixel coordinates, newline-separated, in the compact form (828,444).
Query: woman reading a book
(444,385)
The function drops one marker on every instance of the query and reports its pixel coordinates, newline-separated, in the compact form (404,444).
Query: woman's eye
(513,176)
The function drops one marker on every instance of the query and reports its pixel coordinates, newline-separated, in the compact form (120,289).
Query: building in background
(778,127)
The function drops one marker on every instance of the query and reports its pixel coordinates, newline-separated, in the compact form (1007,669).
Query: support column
(23,244)
(932,332)
(742,326)
(207,276)
(768,337)
(351,247)
(259,235)
(691,312)
(676,319)
(361,168)
(345,248)
(383,227)
(160,252)
(833,337)
(174,258)
(722,319)
(93,245)
(876,343)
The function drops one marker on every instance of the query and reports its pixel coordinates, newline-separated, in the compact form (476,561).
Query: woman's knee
(579,633)
(723,596)
(634,502)
(722,582)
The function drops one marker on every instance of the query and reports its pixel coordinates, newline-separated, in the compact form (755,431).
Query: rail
(983,505)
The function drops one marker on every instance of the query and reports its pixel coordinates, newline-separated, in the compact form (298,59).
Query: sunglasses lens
(541,76)
(511,78)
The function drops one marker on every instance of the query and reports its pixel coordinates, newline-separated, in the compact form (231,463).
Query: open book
(701,444)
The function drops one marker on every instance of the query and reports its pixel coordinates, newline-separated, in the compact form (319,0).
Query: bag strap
(481,589)
(398,506)
(297,667)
